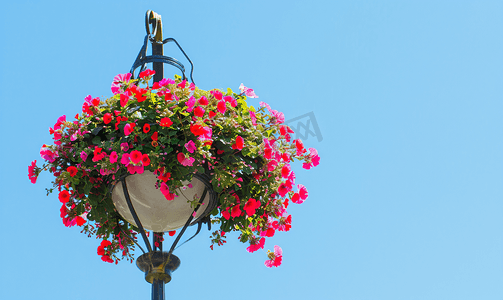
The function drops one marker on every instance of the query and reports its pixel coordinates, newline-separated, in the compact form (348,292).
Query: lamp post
(146,207)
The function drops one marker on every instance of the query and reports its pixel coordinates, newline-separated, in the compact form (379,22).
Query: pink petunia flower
(31,172)
(83,155)
(185,161)
(190,103)
(118,81)
(128,129)
(113,157)
(275,258)
(124,146)
(253,118)
(248,92)
(285,171)
(217,94)
(190,146)
(221,107)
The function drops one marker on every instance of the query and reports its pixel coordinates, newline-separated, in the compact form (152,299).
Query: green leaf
(96,140)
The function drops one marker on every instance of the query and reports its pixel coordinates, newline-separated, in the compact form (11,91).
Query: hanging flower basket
(168,134)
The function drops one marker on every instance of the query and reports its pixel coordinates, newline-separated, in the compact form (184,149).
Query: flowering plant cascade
(174,129)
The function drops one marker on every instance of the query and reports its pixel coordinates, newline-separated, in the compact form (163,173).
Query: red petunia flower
(155,136)
(217,94)
(251,206)
(72,170)
(146,128)
(166,122)
(135,156)
(146,73)
(64,196)
(221,107)
(107,118)
(31,171)
(203,101)
(236,211)
(238,144)
(199,112)
(145,159)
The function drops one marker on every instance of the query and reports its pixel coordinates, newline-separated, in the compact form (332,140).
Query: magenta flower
(231,100)
(83,155)
(128,129)
(125,159)
(190,103)
(124,146)
(165,191)
(199,112)
(255,245)
(248,92)
(190,146)
(118,81)
(285,171)
(124,98)
(301,196)
(272,165)
(217,94)
(275,258)
(185,161)
(284,188)
(253,118)
(263,104)
(221,107)
(47,154)
(113,157)
(31,172)
(313,159)
(302,192)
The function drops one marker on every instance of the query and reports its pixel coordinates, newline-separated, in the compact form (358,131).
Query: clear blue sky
(408,95)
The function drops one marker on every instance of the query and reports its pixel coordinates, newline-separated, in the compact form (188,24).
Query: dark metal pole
(157,49)
(158,284)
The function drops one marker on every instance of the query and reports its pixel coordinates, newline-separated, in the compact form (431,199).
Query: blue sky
(407,200)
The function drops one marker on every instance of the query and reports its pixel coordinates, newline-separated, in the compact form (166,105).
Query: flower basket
(164,138)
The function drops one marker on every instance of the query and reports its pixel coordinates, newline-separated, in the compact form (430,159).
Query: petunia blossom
(190,146)
(221,107)
(238,145)
(118,81)
(255,244)
(128,129)
(166,122)
(235,211)
(248,92)
(251,206)
(31,172)
(285,171)
(64,196)
(185,161)
(72,170)
(275,258)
